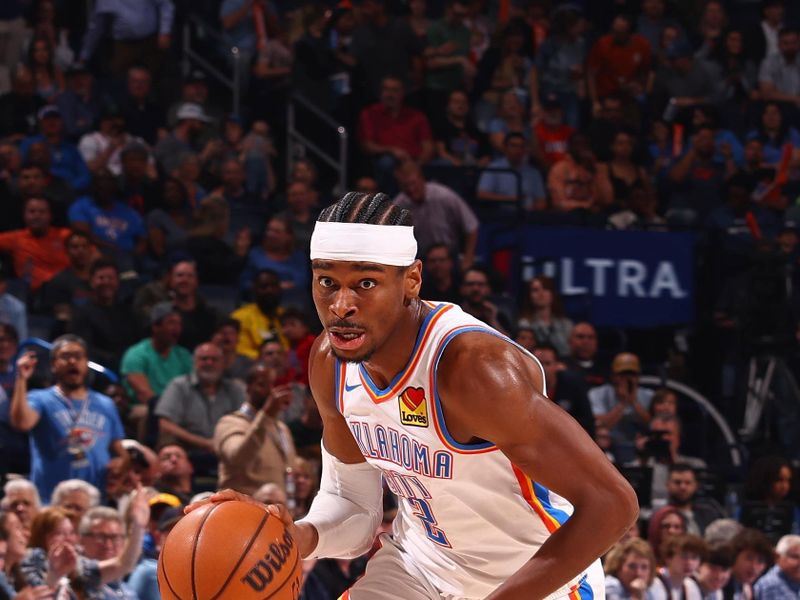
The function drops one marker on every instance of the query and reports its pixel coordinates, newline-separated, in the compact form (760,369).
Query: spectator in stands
(80,104)
(295,328)
(440,281)
(447,55)
(526,338)
(253,445)
(21,498)
(176,472)
(543,312)
(682,489)
(767,486)
(697,180)
(575,183)
(523,186)
(137,185)
(75,497)
(198,319)
(12,310)
(582,357)
(168,225)
(713,574)
(37,179)
(476,290)
(559,66)
(664,402)
(440,215)
(247,210)
(779,74)
(621,171)
(384,46)
(102,535)
(260,319)
(226,336)
(551,135)
(71,285)
(144,579)
(621,405)
(684,82)
(630,568)
(19,107)
(38,250)
(652,22)
(565,388)
(510,119)
(619,62)
(188,170)
(278,253)
(53,554)
(9,341)
(666,522)
(300,213)
(315,62)
(143,116)
(67,162)
(782,580)
(73,429)
(16,537)
(191,405)
(105,323)
(194,88)
(192,120)
(682,555)
(307,429)
(638,213)
(736,75)
(141,33)
(391,133)
(774,131)
(48,77)
(102,149)
(752,553)
(151,364)
(458,141)
(116,228)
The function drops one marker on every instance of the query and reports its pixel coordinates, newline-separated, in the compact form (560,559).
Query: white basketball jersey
(467,516)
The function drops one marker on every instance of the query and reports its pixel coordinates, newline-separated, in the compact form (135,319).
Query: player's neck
(393,355)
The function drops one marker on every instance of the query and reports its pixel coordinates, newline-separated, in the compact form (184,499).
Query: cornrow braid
(372,209)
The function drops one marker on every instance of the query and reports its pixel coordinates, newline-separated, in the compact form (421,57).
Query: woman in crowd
(48,78)
(737,77)
(774,131)
(630,568)
(510,119)
(767,486)
(543,313)
(665,523)
(623,173)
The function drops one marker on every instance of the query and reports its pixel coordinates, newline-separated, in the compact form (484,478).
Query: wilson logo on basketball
(265,570)
(413,408)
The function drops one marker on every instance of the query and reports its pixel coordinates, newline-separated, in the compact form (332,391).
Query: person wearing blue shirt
(114,226)
(782,582)
(526,186)
(73,430)
(66,162)
(774,131)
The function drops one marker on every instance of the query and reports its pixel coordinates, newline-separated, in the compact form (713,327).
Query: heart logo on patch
(413,397)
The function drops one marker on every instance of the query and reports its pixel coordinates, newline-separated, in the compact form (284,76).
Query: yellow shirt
(256,327)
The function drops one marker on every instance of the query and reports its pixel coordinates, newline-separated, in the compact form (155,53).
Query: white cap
(191,110)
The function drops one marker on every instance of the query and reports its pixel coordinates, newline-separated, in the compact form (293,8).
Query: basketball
(230,550)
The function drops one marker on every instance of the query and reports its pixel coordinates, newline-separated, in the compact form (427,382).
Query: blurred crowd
(155,312)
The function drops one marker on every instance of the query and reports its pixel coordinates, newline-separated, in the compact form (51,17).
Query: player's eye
(367,284)
(325,282)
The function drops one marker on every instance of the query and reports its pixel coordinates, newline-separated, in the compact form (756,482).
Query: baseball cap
(169,517)
(51,110)
(625,362)
(170,500)
(161,310)
(192,110)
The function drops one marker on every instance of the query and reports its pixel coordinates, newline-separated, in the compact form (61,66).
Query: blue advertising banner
(620,278)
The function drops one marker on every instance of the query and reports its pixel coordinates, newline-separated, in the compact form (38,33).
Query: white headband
(392,245)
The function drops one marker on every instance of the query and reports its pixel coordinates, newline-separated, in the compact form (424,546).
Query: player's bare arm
(501,402)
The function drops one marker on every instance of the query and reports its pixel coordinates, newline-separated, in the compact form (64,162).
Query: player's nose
(343,303)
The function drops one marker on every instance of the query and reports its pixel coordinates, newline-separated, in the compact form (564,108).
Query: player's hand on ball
(221,496)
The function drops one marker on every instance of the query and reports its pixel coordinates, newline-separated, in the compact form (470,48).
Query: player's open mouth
(346,340)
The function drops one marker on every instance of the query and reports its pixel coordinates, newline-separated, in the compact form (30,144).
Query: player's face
(70,365)
(749,566)
(360,304)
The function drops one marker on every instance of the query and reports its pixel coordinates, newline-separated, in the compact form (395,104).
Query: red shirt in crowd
(407,130)
(553,141)
(36,258)
(615,66)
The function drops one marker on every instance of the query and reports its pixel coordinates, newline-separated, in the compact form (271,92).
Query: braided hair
(371,209)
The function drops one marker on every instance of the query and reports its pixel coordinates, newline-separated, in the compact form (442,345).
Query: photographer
(622,406)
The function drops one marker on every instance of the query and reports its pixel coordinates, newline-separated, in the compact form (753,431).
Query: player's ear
(412,280)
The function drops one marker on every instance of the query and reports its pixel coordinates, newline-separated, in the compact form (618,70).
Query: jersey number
(422,510)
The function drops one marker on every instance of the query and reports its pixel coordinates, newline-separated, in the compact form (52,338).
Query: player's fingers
(221,496)
(280,511)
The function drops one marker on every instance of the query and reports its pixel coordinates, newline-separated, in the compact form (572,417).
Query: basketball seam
(194,548)
(285,581)
(242,557)
(166,578)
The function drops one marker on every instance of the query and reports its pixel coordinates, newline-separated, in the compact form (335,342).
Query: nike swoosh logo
(350,388)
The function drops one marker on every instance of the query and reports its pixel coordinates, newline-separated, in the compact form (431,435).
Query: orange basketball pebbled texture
(229,551)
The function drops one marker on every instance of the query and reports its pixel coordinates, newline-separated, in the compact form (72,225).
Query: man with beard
(191,405)
(476,290)
(681,491)
(261,319)
(74,430)
(253,445)
(779,75)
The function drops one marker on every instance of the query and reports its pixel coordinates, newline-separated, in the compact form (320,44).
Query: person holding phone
(622,406)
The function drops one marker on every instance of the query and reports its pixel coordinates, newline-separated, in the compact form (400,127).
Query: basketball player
(502,494)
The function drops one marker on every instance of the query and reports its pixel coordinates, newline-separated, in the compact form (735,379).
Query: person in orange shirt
(37,250)
(619,61)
